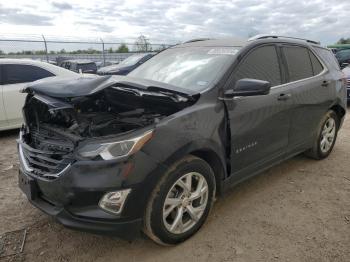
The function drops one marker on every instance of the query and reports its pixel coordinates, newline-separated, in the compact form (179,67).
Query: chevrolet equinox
(151,150)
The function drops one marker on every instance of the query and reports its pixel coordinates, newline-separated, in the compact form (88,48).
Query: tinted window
(327,57)
(1,75)
(316,65)
(132,60)
(298,62)
(261,63)
(14,74)
(86,67)
(343,54)
(144,59)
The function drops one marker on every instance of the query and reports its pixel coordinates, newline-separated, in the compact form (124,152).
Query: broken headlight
(115,150)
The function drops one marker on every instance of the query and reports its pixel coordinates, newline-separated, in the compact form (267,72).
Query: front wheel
(181,202)
(327,135)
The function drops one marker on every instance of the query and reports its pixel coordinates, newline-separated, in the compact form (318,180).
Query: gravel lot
(297,211)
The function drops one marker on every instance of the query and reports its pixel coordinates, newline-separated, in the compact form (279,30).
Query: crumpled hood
(84,86)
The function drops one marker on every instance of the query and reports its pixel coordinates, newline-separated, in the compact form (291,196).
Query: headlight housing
(115,150)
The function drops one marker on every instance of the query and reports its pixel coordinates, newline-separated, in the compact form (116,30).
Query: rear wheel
(326,137)
(181,202)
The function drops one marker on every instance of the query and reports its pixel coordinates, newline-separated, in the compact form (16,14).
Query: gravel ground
(297,211)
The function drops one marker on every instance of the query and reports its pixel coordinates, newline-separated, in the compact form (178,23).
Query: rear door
(3,120)
(16,77)
(259,124)
(311,89)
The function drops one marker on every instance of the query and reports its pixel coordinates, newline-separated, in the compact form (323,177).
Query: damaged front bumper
(73,196)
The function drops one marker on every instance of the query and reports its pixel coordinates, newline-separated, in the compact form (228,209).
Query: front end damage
(81,148)
(55,125)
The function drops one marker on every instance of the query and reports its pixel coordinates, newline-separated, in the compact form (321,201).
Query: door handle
(284,97)
(325,83)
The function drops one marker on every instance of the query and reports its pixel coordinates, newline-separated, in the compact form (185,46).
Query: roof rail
(279,36)
(196,40)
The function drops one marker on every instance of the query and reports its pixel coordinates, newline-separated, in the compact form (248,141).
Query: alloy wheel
(185,203)
(327,135)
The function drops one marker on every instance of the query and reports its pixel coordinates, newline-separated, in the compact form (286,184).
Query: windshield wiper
(138,92)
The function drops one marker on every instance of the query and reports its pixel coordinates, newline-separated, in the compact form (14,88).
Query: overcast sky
(170,21)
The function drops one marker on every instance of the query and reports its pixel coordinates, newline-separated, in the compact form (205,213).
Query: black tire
(315,152)
(154,226)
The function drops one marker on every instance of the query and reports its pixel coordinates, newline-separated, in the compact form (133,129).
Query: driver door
(259,124)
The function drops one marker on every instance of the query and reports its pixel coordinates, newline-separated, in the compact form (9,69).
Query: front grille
(348,83)
(45,156)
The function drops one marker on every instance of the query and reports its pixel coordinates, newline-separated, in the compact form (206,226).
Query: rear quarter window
(327,56)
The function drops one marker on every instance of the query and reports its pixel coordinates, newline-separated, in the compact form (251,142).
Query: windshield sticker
(222,51)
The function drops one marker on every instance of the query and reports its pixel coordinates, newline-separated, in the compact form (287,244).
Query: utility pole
(103,52)
(47,54)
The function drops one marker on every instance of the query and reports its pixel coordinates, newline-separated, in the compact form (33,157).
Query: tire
(163,228)
(319,151)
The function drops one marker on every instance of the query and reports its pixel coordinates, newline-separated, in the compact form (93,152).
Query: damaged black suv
(150,151)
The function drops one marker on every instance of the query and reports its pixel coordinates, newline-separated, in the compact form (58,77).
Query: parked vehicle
(126,66)
(151,150)
(15,74)
(343,57)
(80,66)
(346,72)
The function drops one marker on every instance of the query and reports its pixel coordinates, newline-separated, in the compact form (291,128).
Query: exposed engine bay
(111,111)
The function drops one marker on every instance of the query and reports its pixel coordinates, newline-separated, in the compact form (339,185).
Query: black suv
(80,66)
(151,150)
(126,66)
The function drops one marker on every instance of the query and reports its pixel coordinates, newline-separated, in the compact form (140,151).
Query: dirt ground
(296,211)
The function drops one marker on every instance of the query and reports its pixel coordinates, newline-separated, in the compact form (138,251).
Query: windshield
(193,68)
(131,60)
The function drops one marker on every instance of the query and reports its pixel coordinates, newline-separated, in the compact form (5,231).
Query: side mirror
(249,87)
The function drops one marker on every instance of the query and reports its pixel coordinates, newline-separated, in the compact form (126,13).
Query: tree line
(123,48)
(344,41)
(141,44)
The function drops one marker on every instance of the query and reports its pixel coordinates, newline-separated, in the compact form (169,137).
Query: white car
(15,74)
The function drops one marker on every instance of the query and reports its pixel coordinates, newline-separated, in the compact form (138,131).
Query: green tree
(123,49)
(40,52)
(344,41)
(27,52)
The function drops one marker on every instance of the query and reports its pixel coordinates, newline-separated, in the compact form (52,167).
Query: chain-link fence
(52,50)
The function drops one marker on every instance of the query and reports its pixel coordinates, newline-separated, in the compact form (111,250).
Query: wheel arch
(215,163)
(339,110)
(208,150)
